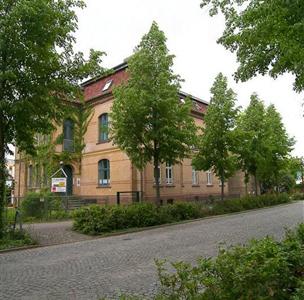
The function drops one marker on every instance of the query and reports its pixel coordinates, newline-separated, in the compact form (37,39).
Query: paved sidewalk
(47,234)
(105,267)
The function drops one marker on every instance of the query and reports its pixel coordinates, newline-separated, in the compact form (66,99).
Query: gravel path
(104,267)
(47,234)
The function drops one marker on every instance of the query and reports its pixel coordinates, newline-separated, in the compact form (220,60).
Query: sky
(117,26)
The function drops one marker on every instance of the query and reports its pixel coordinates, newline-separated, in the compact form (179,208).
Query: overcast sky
(117,26)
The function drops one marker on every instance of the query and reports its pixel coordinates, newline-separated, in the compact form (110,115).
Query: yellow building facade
(105,170)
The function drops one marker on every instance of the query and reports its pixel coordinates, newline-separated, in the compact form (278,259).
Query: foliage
(102,219)
(148,121)
(298,196)
(263,146)
(264,269)
(38,70)
(217,142)
(15,239)
(42,205)
(266,36)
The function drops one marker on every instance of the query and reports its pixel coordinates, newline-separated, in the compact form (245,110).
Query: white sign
(58,185)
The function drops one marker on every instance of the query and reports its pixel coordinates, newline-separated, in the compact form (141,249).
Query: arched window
(103,124)
(68,135)
(104,172)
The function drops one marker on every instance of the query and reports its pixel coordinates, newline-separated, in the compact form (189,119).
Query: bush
(33,207)
(14,239)
(264,269)
(298,196)
(97,220)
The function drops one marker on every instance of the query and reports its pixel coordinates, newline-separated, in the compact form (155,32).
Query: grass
(16,239)
(61,215)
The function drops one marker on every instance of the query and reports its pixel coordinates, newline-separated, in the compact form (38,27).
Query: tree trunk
(256,185)
(156,176)
(2,176)
(222,187)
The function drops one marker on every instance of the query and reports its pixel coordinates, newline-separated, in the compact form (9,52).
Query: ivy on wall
(46,159)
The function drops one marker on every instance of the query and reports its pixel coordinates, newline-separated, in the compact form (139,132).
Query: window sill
(209,185)
(103,187)
(102,142)
(195,185)
(169,185)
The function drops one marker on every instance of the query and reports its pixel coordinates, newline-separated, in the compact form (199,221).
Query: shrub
(97,220)
(263,269)
(298,196)
(33,207)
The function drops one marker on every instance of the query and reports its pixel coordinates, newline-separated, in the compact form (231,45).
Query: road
(107,266)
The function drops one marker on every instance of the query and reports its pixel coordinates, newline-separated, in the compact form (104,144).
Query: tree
(267,36)
(217,142)
(38,69)
(148,120)
(278,146)
(250,131)
(264,145)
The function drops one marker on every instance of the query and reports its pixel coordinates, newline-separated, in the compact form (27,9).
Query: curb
(19,248)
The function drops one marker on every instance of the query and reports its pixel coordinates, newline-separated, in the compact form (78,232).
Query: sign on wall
(59,185)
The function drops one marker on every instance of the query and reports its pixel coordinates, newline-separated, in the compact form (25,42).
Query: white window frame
(169,173)
(195,178)
(107,85)
(209,178)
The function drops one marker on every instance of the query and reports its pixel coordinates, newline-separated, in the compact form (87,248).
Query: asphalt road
(102,267)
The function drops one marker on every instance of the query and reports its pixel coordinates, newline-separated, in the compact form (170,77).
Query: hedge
(264,269)
(102,219)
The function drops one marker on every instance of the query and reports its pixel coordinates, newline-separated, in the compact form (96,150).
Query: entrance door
(69,172)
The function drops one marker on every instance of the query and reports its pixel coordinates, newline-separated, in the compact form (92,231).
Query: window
(104,172)
(194,176)
(68,135)
(103,127)
(159,171)
(169,173)
(30,176)
(37,175)
(209,178)
(107,85)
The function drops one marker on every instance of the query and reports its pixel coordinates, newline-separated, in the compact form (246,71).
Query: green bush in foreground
(101,219)
(263,269)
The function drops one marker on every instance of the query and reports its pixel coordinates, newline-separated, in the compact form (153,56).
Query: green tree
(217,142)
(278,146)
(38,69)
(250,132)
(148,120)
(267,36)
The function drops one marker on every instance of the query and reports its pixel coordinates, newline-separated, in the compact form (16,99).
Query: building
(104,170)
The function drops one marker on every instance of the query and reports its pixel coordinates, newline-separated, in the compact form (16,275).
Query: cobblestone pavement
(104,267)
(55,233)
